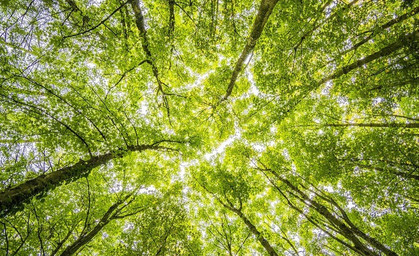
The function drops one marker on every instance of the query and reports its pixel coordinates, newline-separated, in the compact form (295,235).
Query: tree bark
(382,28)
(400,43)
(171,18)
(13,199)
(384,125)
(348,229)
(84,239)
(262,240)
(408,175)
(265,10)
(139,21)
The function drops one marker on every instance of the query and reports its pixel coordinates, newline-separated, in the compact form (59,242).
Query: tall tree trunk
(382,28)
(139,21)
(13,199)
(408,175)
(262,240)
(86,238)
(171,19)
(400,43)
(346,228)
(265,10)
(385,125)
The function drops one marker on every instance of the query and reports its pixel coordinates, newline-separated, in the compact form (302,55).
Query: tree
(214,127)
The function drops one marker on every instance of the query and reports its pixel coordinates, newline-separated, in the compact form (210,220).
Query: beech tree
(201,127)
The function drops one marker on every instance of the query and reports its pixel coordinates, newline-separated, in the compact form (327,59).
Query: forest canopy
(209,127)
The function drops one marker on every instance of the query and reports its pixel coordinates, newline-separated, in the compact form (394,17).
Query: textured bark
(382,28)
(139,21)
(13,199)
(383,125)
(408,175)
(400,43)
(84,239)
(262,240)
(346,228)
(171,18)
(262,17)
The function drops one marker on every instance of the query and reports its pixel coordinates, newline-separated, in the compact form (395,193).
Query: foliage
(197,127)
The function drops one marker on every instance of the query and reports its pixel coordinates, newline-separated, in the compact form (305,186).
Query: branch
(100,23)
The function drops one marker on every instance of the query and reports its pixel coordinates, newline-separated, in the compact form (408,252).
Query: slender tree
(186,100)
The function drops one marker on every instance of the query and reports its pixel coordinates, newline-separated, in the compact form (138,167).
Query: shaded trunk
(60,244)
(385,125)
(171,18)
(139,21)
(408,175)
(262,240)
(382,28)
(262,17)
(400,43)
(84,239)
(346,228)
(13,199)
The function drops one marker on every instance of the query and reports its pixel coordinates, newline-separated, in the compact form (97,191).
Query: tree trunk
(171,18)
(345,230)
(265,10)
(350,231)
(262,240)
(13,199)
(385,125)
(139,21)
(84,239)
(408,175)
(400,43)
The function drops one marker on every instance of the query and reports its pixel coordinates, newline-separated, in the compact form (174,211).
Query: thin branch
(100,23)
